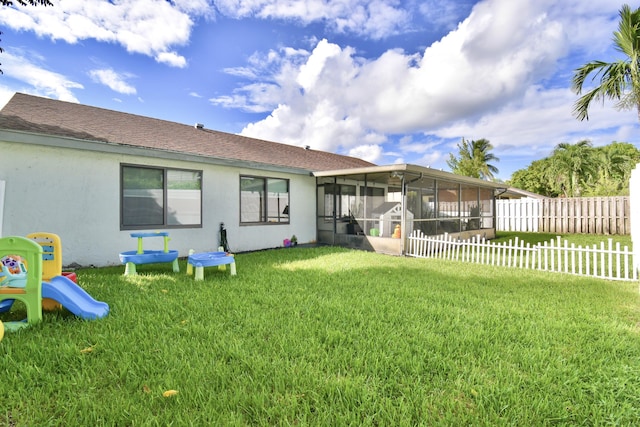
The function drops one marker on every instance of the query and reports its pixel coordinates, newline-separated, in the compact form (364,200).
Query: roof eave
(413,170)
(33,138)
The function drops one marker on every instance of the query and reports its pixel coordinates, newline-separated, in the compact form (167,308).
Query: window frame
(165,198)
(285,219)
(338,199)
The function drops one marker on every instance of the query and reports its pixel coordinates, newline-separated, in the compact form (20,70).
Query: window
(469,207)
(448,199)
(152,197)
(375,198)
(264,200)
(345,199)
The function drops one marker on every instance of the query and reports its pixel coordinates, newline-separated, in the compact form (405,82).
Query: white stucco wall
(2,188)
(76,194)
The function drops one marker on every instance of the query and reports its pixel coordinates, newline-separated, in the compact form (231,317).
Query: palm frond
(615,79)
(626,39)
(581,74)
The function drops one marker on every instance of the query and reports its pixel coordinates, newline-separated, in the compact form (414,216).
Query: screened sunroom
(377,208)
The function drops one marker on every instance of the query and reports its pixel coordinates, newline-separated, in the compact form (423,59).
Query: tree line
(572,170)
(580,170)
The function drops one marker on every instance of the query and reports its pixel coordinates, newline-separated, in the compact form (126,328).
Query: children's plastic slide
(5,305)
(70,296)
(74,298)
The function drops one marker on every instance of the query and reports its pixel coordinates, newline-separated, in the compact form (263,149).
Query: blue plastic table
(209,259)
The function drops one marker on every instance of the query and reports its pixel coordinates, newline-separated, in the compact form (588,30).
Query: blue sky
(386,80)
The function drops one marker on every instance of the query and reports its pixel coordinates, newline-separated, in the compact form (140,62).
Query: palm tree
(482,157)
(618,80)
(615,163)
(474,159)
(571,166)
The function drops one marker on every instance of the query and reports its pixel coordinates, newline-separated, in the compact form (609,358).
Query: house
(93,176)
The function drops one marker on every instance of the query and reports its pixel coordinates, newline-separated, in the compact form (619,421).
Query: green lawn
(583,240)
(332,337)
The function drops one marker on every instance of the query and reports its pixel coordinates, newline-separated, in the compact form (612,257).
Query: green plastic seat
(30,293)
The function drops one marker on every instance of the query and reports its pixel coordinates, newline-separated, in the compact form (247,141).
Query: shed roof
(516,193)
(33,114)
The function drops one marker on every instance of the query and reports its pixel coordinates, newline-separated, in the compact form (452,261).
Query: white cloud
(116,82)
(485,79)
(146,27)
(370,153)
(195,7)
(245,72)
(532,124)
(35,77)
(444,14)
(172,59)
(240,101)
(311,70)
(375,19)
(470,69)
(492,57)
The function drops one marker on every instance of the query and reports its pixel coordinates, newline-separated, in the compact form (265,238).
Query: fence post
(634,218)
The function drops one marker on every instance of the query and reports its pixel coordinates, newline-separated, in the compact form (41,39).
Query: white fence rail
(605,261)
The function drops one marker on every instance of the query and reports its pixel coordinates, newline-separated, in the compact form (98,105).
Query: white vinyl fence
(634,202)
(605,261)
(518,215)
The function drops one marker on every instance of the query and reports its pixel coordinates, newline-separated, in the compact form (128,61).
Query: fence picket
(602,265)
(555,255)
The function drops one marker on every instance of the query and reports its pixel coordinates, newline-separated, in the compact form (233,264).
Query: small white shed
(390,216)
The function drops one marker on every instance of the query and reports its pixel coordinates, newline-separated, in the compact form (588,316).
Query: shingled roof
(66,119)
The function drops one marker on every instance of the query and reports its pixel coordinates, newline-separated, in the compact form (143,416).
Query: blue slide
(5,305)
(74,298)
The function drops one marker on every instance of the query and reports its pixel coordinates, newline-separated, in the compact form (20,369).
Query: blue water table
(141,256)
(209,259)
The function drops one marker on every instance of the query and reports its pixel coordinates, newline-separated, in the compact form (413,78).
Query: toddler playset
(32,273)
